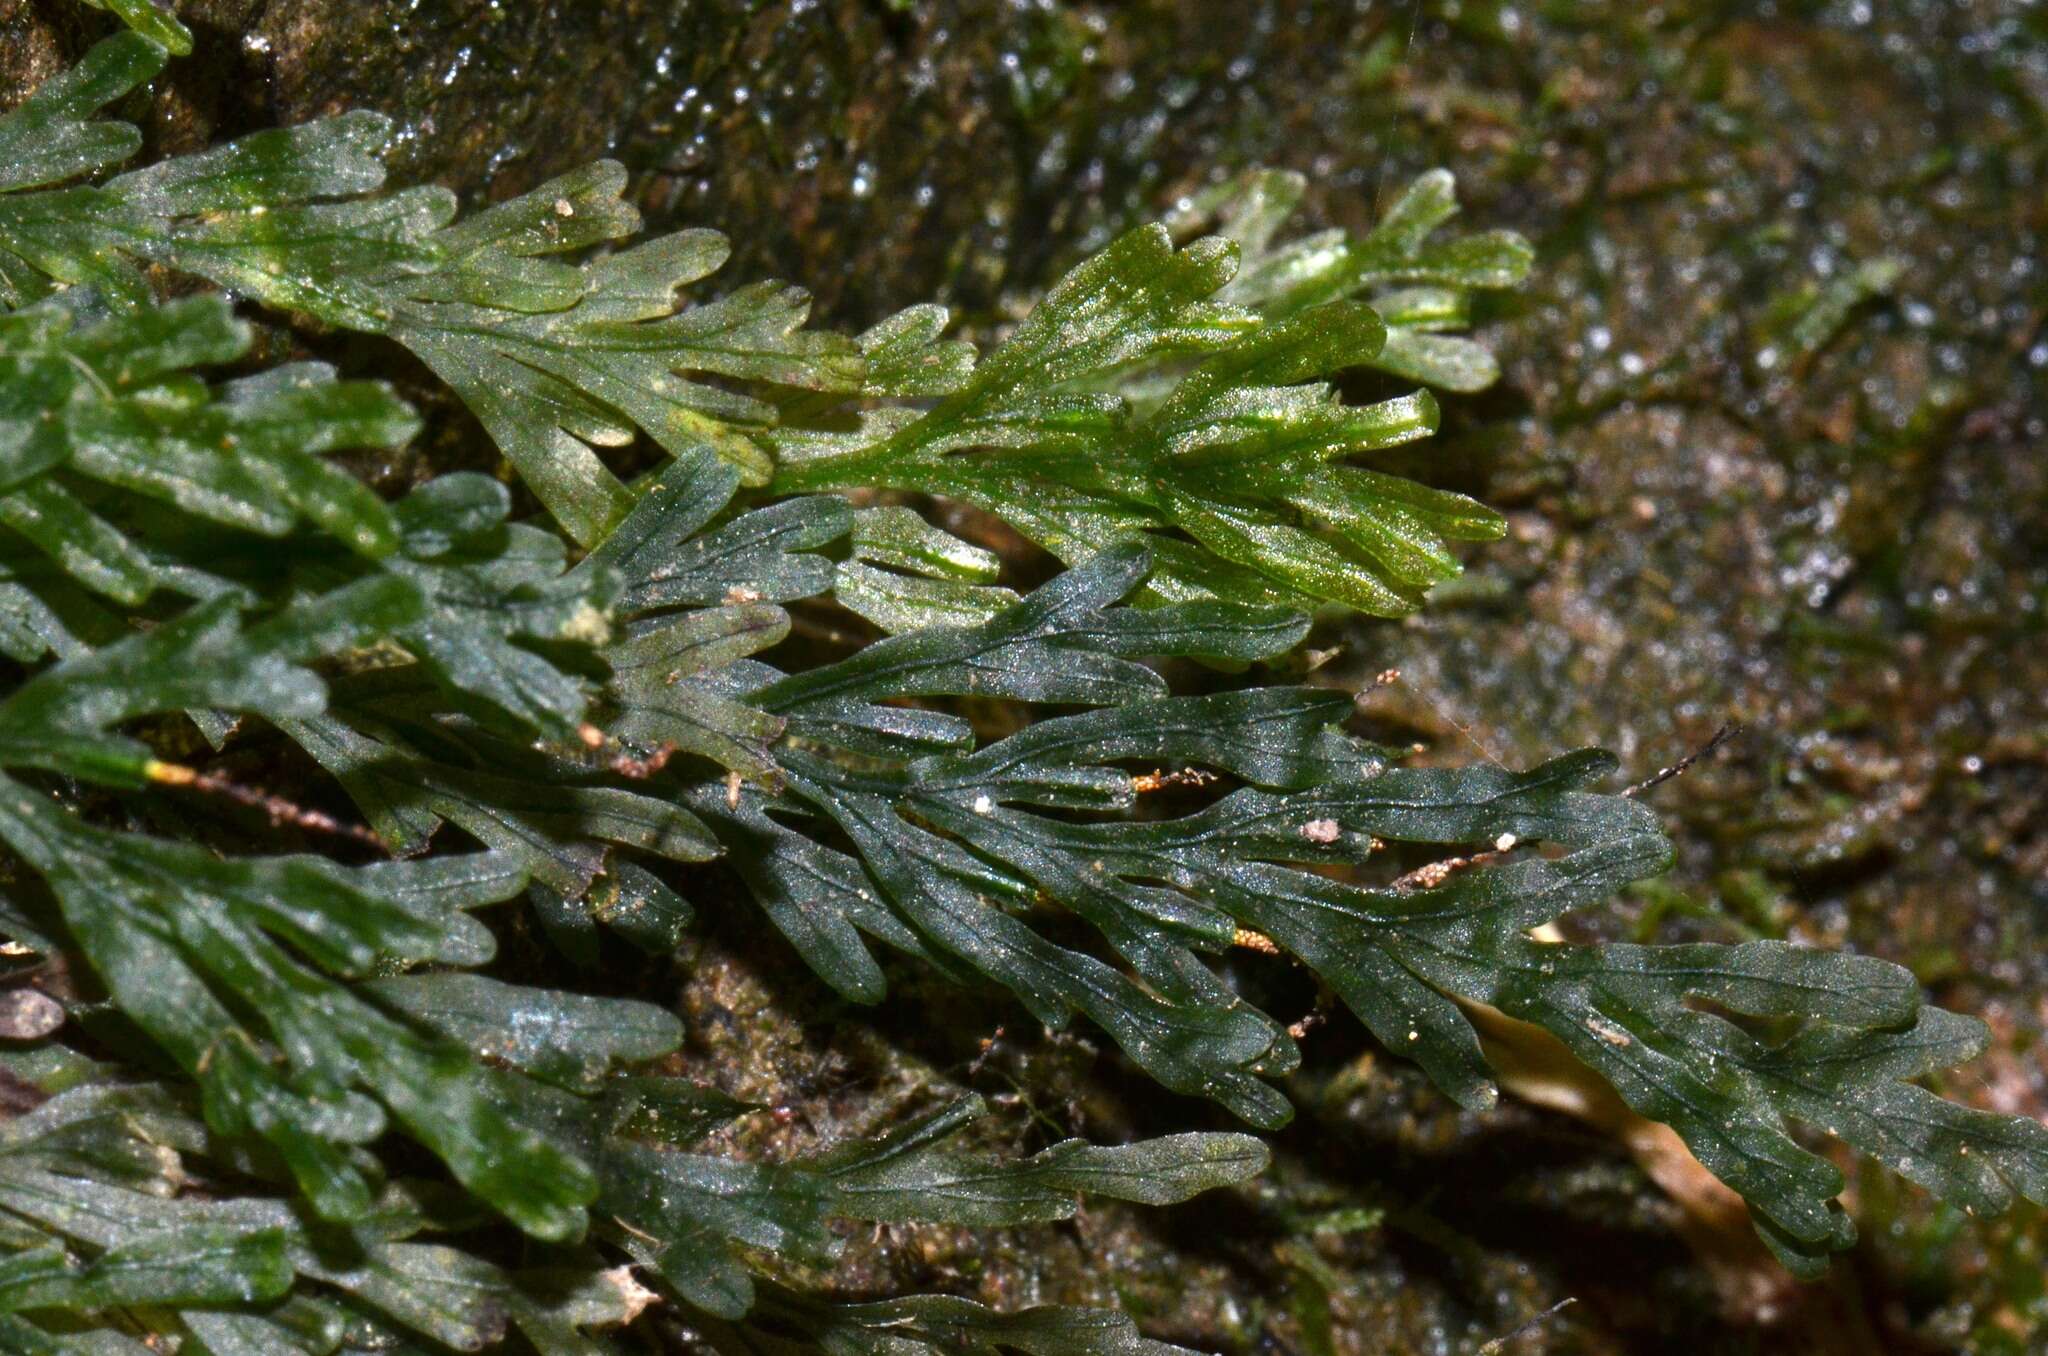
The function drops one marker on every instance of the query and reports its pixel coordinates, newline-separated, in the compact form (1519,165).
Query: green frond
(154,20)
(1157,393)
(556,358)
(328,1121)
(1138,403)
(111,405)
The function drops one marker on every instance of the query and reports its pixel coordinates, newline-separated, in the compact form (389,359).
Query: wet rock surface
(1746,488)
(874,150)
(1770,436)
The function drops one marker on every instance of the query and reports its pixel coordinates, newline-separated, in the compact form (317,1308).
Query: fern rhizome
(281,1109)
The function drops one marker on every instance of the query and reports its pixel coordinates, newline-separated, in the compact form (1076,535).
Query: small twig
(640,1234)
(1392,676)
(988,1049)
(280,810)
(1255,941)
(626,765)
(1436,873)
(1384,678)
(1157,781)
(1500,1344)
(1706,750)
(1429,876)
(90,375)
(618,758)
(1315,1016)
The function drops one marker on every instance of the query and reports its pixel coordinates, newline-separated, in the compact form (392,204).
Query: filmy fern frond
(267,981)
(957,844)
(1419,288)
(1235,475)
(92,407)
(599,705)
(961,843)
(100,1175)
(553,357)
